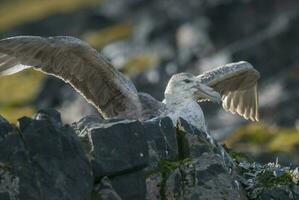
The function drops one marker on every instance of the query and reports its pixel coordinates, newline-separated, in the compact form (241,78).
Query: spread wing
(237,84)
(75,62)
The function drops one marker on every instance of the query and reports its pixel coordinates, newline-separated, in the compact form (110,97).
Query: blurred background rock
(149,41)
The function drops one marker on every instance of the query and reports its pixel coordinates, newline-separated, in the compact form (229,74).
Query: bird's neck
(186,108)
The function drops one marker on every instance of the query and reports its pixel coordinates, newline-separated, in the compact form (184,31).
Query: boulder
(115,146)
(43,160)
(120,159)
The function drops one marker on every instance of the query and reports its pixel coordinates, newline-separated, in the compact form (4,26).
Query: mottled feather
(75,62)
(237,83)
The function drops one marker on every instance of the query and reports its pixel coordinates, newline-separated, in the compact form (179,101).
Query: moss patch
(267,179)
(260,178)
(165,168)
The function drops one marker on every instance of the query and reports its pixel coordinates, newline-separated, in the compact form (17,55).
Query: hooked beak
(205,92)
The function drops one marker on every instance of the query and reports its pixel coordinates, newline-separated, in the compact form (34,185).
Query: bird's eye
(187,81)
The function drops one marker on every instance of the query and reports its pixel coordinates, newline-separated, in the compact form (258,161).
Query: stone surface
(193,143)
(203,170)
(130,185)
(161,140)
(116,146)
(105,191)
(43,161)
(118,159)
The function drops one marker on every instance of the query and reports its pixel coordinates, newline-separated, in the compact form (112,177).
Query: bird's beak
(205,92)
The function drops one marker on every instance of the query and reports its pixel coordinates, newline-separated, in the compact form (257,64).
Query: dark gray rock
(269,181)
(125,159)
(203,178)
(116,146)
(130,185)
(193,143)
(50,115)
(161,138)
(203,171)
(105,191)
(43,161)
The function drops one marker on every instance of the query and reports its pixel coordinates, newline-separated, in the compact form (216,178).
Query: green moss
(165,169)
(95,196)
(183,146)
(267,179)
(258,178)
(239,157)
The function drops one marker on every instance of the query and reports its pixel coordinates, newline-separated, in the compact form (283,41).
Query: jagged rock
(43,161)
(116,146)
(203,171)
(130,185)
(105,191)
(128,160)
(269,181)
(160,135)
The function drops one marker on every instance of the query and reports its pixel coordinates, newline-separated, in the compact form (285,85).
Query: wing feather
(237,83)
(75,62)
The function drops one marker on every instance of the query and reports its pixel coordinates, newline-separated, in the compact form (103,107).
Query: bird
(115,96)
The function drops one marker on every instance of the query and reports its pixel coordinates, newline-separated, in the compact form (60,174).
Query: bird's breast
(190,112)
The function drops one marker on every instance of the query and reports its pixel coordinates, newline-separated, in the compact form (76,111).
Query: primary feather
(237,83)
(75,62)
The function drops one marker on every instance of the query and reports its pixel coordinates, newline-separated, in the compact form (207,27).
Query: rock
(105,191)
(161,139)
(130,185)
(203,170)
(120,159)
(193,143)
(269,181)
(43,161)
(49,115)
(202,178)
(116,146)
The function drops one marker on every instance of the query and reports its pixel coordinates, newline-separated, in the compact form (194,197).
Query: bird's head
(187,86)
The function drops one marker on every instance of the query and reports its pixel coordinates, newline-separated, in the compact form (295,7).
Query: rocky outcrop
(123,159)
(42,160)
